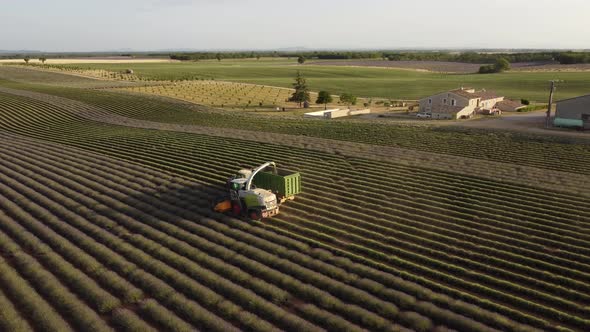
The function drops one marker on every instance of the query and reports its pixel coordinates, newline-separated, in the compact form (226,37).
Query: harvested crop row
(169,259)
(190,288)
(138,243)
(156,143)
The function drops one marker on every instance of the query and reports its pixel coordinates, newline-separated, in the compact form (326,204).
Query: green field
(365,82)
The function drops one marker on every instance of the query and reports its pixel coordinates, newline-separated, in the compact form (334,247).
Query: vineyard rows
(223,94)
(75,70)
(514,259)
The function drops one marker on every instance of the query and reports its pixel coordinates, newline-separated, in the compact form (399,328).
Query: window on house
(430,101)
(454,102)
(445,101)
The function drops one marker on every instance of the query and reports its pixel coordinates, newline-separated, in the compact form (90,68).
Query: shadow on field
(172,201)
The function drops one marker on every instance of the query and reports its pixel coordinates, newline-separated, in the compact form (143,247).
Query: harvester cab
(255,197)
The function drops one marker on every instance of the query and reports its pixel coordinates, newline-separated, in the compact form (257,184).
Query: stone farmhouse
(464,103)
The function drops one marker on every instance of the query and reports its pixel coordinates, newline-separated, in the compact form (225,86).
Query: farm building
(507,105)
(464,103)
(335,113)
(573,112)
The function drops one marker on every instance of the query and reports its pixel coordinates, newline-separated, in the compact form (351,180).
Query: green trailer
(285,184)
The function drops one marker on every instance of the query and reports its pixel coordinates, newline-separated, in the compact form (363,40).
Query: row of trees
(302,96)
(574,57)
(569,57)
(468,57)
(41,59)
(473,57)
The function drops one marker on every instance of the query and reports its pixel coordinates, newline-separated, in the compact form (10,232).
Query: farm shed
(318,114)
(335,113)
(345,112)
(573,113)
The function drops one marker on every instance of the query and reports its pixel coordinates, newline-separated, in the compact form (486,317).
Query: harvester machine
(258,193)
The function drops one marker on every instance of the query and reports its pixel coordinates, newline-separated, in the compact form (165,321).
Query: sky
(146,25)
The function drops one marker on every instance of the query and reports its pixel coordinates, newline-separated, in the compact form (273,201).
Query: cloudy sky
(92,25)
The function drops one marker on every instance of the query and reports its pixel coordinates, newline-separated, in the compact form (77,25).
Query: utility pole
(548,119)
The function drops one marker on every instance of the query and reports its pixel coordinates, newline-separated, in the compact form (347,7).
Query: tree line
(467,57)
(563,57)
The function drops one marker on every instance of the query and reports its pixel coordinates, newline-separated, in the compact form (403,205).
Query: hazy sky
(90,25)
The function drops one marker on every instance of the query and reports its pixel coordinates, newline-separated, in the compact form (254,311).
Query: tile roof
(464,93)
(509,104)
(486,95)
(483,94)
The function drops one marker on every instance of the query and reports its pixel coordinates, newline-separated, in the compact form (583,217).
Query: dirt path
(510,173)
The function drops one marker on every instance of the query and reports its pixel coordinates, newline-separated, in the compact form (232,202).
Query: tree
(218,56)
(324,97)
(487,69)
(257,56)
(301,59)
(348,99)
(42,59)
(501,65)
(301,93)
(525,102)
(27,59)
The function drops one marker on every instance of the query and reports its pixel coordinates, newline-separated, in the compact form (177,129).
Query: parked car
(424,115)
